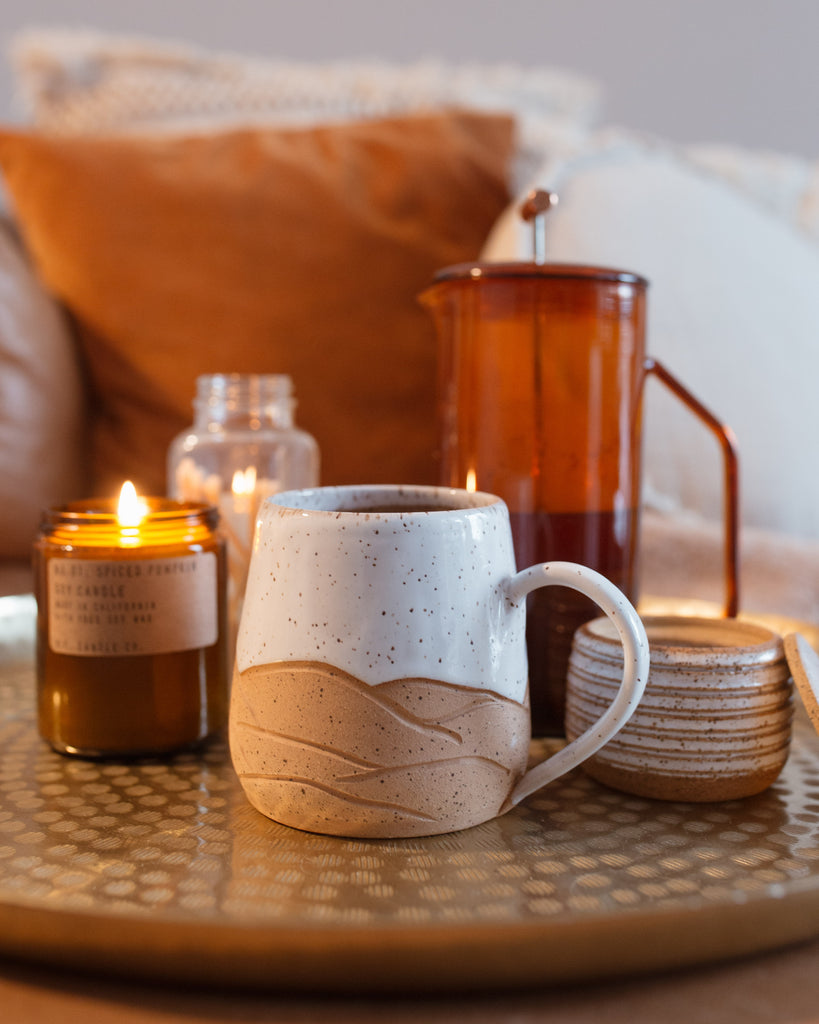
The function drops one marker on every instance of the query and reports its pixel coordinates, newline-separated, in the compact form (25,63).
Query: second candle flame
(244,481)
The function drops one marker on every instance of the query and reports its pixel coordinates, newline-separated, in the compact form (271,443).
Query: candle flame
(244,481)
(130,509)
(471,480)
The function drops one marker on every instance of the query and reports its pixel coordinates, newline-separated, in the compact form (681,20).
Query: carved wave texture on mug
(317,748)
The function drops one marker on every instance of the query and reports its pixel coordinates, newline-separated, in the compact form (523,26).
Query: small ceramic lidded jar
(714,722)
(243,446)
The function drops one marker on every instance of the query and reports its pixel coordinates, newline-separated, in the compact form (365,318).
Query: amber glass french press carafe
(542,368)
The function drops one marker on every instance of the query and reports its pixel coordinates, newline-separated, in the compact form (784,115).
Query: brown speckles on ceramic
(714,722)
(361,579)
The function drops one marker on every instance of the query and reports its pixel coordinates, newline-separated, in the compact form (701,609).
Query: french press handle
(727,440)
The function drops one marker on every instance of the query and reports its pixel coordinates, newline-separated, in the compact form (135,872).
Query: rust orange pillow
(269,250)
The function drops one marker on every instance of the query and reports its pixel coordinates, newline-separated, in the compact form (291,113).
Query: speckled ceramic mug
(380,686)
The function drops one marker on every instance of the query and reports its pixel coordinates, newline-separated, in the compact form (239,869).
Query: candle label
(152,606)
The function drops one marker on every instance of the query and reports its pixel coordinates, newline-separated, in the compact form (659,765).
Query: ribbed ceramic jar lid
(688,640)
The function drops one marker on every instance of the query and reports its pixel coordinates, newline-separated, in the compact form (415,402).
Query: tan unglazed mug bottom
(408,755)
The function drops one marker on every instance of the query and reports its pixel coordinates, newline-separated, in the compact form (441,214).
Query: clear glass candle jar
(243,446)
(131,628)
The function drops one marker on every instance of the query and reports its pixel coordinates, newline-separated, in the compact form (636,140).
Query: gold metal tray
(162,870)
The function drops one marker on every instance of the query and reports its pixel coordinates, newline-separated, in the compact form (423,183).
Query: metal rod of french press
(534,209)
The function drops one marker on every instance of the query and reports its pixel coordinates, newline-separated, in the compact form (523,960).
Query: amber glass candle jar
(131,627)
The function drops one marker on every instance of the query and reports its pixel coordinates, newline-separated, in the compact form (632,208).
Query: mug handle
(635,666)
(728,443)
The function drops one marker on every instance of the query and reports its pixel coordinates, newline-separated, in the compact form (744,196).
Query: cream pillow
(786,185)
(86,81)
(733,312)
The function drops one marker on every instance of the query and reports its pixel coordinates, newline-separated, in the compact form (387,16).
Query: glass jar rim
(103,511)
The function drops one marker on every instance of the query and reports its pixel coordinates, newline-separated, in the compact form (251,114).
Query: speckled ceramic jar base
(695,788)
(714,722)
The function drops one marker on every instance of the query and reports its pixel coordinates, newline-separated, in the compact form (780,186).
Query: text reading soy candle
(131,626)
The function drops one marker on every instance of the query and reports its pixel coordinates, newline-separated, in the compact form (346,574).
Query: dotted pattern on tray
(178,838)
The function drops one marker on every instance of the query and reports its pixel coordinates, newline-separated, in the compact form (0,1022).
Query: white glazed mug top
(355,581)
(381,655)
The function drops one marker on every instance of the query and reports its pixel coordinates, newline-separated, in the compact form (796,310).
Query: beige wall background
(734,71)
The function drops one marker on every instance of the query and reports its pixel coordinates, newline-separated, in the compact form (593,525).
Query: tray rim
(429,958)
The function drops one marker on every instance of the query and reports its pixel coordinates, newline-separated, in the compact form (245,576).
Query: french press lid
(533,210)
